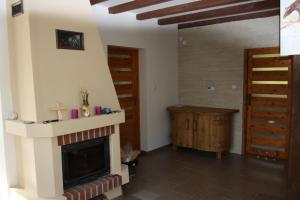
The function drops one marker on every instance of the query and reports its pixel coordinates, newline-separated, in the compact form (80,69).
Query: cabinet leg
(174,147)
(219,155)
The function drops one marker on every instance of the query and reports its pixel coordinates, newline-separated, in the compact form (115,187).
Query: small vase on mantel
(85,108)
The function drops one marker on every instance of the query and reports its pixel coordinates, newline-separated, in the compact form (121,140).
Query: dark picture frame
(69,40)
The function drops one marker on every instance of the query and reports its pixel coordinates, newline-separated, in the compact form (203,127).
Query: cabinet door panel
(184,129)
(201,135)
(219,135)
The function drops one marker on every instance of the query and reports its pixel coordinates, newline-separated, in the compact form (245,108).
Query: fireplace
(53,157)
(85,161)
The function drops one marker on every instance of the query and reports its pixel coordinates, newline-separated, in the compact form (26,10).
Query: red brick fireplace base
(85,135)
(95,188)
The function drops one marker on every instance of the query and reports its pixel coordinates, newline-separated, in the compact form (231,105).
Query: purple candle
(74,113)
(98,110)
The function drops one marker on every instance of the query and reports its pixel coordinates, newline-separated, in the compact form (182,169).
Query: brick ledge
(85,135)
(95,188)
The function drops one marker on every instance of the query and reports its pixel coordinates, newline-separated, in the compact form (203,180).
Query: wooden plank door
(268,80)
(294,159)
(124,67)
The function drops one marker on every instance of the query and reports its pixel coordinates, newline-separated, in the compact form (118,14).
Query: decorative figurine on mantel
(58,108)
(85,108)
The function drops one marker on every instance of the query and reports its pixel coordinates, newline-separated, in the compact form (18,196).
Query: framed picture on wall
(289,27)
(17,8)
(69,40)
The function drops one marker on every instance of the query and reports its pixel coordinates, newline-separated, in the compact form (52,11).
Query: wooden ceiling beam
(185,8)
(93,2)
(239,9)
(262,14)
(134,5)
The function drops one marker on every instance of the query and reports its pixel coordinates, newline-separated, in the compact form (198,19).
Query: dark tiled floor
(192,175)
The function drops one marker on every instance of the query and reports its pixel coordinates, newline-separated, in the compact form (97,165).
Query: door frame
(293,183)
(138,99)
(246,100)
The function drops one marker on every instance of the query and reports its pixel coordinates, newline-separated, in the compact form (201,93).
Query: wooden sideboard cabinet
(201,128)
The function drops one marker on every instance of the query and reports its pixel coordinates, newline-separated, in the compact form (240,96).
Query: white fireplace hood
(43,74)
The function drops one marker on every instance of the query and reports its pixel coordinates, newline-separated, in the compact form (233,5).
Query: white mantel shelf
(65,127)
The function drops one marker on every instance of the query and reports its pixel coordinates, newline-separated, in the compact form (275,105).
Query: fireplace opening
(85,161)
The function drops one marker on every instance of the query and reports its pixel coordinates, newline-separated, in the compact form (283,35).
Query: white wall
(158,69)
(216,54)
(7,153)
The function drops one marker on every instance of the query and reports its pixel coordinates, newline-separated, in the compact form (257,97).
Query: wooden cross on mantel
(58,108)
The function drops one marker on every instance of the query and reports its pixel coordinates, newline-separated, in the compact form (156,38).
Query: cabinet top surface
(185,108)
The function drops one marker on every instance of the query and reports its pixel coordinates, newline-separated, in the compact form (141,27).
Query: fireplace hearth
(85,161)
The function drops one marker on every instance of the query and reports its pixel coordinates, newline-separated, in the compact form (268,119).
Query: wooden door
(267,102)
(294,159)
(124,67)
(184,129)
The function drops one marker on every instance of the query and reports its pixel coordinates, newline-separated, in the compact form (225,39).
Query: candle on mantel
(98,110)
(74,113)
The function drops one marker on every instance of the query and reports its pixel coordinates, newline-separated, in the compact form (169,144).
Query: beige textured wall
(22,69)
(215,54)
